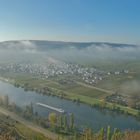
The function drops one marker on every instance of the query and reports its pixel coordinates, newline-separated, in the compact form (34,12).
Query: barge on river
(51,107)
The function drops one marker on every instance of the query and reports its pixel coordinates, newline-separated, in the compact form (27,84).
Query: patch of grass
(30,134)
(86,91)
(84,99)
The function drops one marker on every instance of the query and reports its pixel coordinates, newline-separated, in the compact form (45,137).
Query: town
(88,75)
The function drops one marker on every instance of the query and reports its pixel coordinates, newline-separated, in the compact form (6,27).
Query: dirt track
(32,126)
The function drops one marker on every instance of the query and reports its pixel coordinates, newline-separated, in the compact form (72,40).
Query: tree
(108,133)
(60,121)
(6,100)
(87,135)
(102,104)
(31,108)
(1,101)
(101,134)
(52,118)
(116,135)
(71,121)
(65,122)
(75,136)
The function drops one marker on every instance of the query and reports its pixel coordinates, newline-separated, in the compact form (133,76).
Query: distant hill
(44,45)
(79,52)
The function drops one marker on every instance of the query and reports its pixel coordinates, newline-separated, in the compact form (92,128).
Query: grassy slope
(8,123)
(30,134)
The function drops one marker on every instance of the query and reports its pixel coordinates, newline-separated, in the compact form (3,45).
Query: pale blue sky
(71,20)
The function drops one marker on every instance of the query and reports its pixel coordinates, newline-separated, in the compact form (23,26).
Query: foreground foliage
(106,135)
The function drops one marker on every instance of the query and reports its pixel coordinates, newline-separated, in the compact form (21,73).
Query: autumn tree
(52,118)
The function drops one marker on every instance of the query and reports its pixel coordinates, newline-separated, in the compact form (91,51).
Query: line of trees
(105,134)
(63,123)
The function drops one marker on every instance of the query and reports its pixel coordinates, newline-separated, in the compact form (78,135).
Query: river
(84,114)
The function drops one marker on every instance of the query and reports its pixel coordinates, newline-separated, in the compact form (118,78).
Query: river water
(84,114)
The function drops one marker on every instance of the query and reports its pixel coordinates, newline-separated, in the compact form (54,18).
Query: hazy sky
(71,20)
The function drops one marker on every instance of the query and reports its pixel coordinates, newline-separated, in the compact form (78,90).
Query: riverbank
(95,117)
(25,132)
(43,87)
